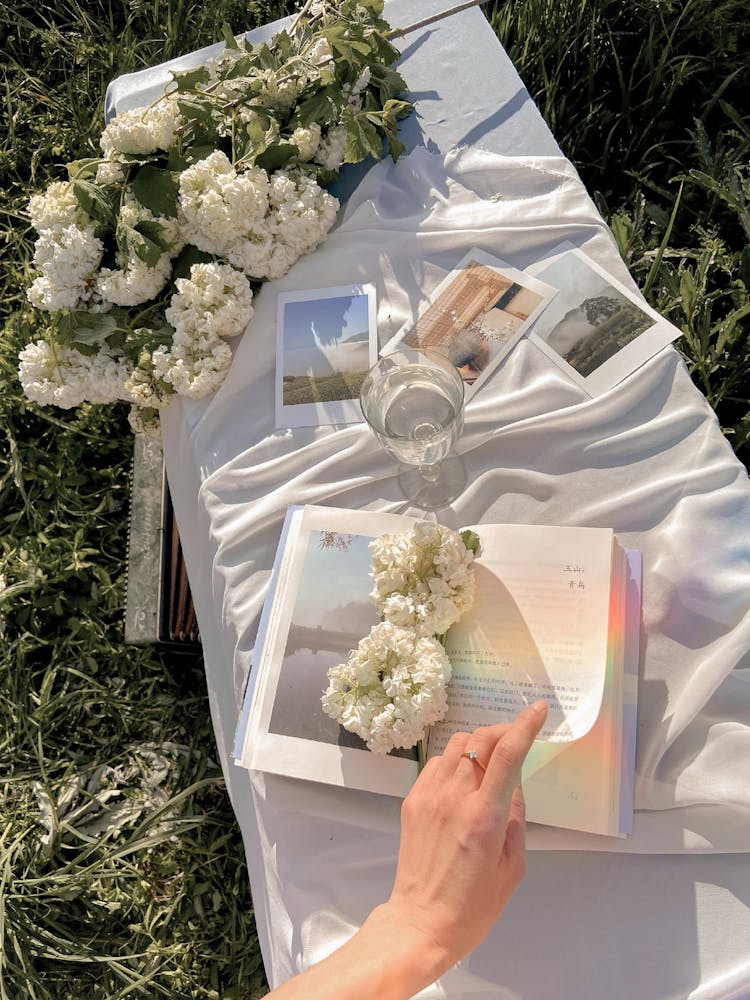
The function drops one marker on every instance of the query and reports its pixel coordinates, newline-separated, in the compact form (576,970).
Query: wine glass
(413,401)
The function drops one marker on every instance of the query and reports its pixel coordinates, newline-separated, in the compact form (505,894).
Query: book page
(588,785)
(538,629)
(319,610)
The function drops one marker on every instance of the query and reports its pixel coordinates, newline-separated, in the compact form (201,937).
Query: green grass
(121,869)
(649,99)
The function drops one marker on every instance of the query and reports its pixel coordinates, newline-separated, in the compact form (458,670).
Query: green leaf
(198,110)
(187,257)
(190,79)
(276,156)
(744,269)
(322,107)
(470,540)
(362,138)
(84,169)
(154,232)
(727,328)
(242,66)
(131,240)
(96,201)
(343,39)
(80,327)
(228,36)
(395,147)
(265,57)
(157,190)
(388,81)
(198,152)
(400,109)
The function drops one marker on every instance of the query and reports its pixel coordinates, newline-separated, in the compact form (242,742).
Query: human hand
(462,852)
(461,859)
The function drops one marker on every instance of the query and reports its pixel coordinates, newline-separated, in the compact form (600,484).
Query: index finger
(503,771)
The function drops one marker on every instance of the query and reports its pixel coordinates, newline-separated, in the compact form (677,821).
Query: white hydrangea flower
(142,130)
(216,300)
(52,375)
(362,81)
(301,217)
(280,94)
(261,225)
(110,172)
(132,212)
(332,147)
(252,255)
(108,375)
(423,579)
(392,687)
(195,366)
(67,257)
(62,376)
(135,283)
(57,207)
(218,206)
(306,140)
(304,211)
(145,386)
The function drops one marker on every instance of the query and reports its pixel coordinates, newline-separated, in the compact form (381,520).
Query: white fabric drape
(647,459)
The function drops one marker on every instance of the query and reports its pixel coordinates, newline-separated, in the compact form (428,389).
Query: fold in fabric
(646,458)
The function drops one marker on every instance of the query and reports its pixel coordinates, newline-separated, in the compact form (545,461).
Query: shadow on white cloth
(647,458)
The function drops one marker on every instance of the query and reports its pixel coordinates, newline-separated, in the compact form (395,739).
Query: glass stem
(430,472)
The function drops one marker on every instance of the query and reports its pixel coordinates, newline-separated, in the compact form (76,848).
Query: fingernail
(540,707)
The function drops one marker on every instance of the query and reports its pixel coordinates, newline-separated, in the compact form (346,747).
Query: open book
(556,616)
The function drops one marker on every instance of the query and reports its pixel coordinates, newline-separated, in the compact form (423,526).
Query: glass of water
(413,400)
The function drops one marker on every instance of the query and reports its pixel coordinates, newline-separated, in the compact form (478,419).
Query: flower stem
(398,32)
(421,760)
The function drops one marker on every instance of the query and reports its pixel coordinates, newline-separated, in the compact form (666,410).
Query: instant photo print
(326,342)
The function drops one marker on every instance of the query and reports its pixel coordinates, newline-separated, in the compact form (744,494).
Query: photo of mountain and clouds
(589,320)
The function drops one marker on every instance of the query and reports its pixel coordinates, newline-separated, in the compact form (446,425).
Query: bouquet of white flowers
(148,256)
(393,686)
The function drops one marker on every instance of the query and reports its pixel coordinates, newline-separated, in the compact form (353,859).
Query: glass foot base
(433,493)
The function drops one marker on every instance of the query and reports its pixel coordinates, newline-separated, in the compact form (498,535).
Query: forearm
(387,958)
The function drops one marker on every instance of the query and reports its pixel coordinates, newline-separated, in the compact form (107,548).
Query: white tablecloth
(603,918)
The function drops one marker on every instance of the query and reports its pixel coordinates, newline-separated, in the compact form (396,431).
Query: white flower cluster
(135,282)
(261,224)
(330,152)
(142,130)
(105,261)
(307,141)
(67,252)
(211,305)
(215,301)
(424,579)
(392,687)
(65,377)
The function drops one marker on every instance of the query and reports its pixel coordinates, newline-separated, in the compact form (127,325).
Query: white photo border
(340,411)
(630,357)
(523,278)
